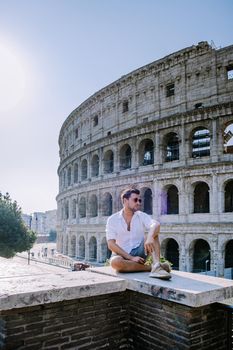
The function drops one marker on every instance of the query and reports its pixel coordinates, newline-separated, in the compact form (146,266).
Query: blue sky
(56,53)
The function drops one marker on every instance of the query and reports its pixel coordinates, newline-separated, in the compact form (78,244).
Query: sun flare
(12,81)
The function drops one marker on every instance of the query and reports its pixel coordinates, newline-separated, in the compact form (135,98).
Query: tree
(14,235)
(52,235)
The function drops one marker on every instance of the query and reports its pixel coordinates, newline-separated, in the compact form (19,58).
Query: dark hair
(127,193)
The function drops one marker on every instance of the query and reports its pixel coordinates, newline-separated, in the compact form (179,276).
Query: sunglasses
(137,200)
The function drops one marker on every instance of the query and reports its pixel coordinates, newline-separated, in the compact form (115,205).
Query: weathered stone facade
(166,129)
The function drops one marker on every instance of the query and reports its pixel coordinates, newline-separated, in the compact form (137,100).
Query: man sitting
(125,232)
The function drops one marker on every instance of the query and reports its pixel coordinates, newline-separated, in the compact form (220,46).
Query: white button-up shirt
(116,229)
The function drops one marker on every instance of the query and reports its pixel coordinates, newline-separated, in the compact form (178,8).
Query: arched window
(172,253)
(201,198)
(93,203)
(64,178)
(125,157)
(81,247)
(69,176)
(74,208)
(84,169)
(92,248)
(95,166)
(171,143)
(147,202)
(73,247)
(107,204)
(229,254)
(105,252)
(67,210)
(172,200)
(201,143)
(229,197)
(146,152)
(75,173)
(228,138)
(82,207)
(201,256)
(108,162)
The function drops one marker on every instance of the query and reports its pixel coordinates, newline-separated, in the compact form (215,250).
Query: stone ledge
(25,291)
(185,288)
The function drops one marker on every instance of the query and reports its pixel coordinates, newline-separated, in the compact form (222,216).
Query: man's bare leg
(122,265)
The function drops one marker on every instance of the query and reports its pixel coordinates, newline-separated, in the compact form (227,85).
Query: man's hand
(137,259)
(149,245)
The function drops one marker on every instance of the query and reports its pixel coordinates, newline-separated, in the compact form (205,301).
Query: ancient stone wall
(165,129)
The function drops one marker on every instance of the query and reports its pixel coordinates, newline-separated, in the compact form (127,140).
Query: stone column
(182,255)
(89,166)
(100,153)
(134,156)
(214,145)
(116,158)
(158,153)
(156,200)
(183,151)
(214,195)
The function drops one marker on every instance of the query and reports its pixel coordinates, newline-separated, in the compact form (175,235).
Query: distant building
(41,222)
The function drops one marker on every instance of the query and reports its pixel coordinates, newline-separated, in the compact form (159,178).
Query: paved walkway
(18,266)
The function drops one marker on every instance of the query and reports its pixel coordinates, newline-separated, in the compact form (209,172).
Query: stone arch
(170,249)
(229,254)
(81,247)
(201,198)
(73,246)
(84,169)
(66,210)
(69,177)
(108,161)
(105,252)
(125,157)
(75,173)
(200,254)
(93,205)
(228,196)
(95,166)
(82,207)
(74,202)
(228,137)
(170,200)
(146,152)
(107,204)
(93,249)
(200,142)
(147,200)
(64,178)
(171,147)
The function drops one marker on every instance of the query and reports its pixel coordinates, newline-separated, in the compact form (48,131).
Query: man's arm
(119,251)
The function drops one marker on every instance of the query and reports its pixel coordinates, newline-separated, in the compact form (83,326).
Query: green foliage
(52,235)
(149,260)
(14,235)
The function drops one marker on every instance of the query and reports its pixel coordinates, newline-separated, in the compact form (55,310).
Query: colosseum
(167,129)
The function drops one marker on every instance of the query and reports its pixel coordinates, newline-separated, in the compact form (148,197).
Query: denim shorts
(138,251)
